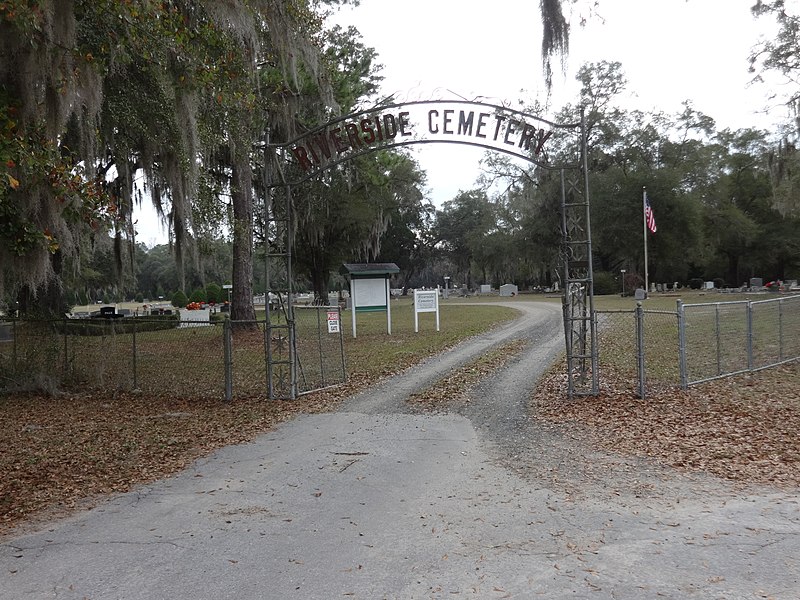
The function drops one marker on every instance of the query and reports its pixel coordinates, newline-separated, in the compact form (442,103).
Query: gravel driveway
(378,501)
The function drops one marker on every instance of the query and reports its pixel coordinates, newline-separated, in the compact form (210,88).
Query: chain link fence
(198,359)
(644,350)
(725,338)
(638,350)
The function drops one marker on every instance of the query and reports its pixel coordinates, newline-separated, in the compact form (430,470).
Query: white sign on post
(333,322)
(425,301)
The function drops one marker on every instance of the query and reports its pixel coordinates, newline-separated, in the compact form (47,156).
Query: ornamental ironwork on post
(553,146)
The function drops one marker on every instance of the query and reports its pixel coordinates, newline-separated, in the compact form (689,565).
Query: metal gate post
(684,375)
(341,342)
(749,335)
(277,366)
(227,345)
(66,348)
(580,326)
(640,349)
(718,336)
(135,377)
(780,329)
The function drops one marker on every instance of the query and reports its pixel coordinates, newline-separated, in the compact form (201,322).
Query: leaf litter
(61,452)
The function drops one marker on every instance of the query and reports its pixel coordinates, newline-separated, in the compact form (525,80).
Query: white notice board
(370,293)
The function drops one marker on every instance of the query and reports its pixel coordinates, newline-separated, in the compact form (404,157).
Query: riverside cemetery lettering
(363,132)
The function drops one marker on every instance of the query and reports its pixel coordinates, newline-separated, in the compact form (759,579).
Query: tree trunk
(242,308)
(319,282)
(733,268)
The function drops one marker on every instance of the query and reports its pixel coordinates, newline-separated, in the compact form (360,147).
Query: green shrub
(96,327)
(215,293)
(179,299)
(198,295)
(604,283)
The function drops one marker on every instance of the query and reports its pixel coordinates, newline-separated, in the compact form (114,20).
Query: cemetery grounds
(65,451)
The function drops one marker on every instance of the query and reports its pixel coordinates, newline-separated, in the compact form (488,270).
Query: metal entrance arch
(548,145)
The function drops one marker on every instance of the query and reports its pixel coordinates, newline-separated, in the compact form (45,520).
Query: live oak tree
(95,94)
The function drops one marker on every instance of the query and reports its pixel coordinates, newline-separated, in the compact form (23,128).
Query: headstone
(756,282)
(659,287)
(708,285)
(508,289)
(675,286)
(640,294)
(486,289)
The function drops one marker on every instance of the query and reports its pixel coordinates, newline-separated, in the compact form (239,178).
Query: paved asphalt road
(375,502)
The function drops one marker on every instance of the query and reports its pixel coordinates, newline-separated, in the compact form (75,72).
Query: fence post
(684,375)
(341,343)
(640,348)
(66,349)
(319,310)
(14,348)
(717,335)
(135,377)
(780,329)
(749,335)
(227,346)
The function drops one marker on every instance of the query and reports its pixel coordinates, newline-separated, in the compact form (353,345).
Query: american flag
(648,215)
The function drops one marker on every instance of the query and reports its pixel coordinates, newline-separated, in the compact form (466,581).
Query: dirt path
(376,501)
(539,325)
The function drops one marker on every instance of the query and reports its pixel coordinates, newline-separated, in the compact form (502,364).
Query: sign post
(425,301)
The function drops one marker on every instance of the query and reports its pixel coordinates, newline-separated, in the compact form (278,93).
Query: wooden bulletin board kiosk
(369,289)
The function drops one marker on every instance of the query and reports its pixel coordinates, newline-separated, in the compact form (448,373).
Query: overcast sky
(670,51)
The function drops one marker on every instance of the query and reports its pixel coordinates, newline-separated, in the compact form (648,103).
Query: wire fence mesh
(776,331)
(661,349)
(197,359)
(715,339)
(643,350)
(617,350)
(637,350)
(320,347)
(725,338)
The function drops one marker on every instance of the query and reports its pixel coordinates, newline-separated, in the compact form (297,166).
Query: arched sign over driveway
(490,126)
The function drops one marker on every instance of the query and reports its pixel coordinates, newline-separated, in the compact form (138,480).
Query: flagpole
(644,223)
